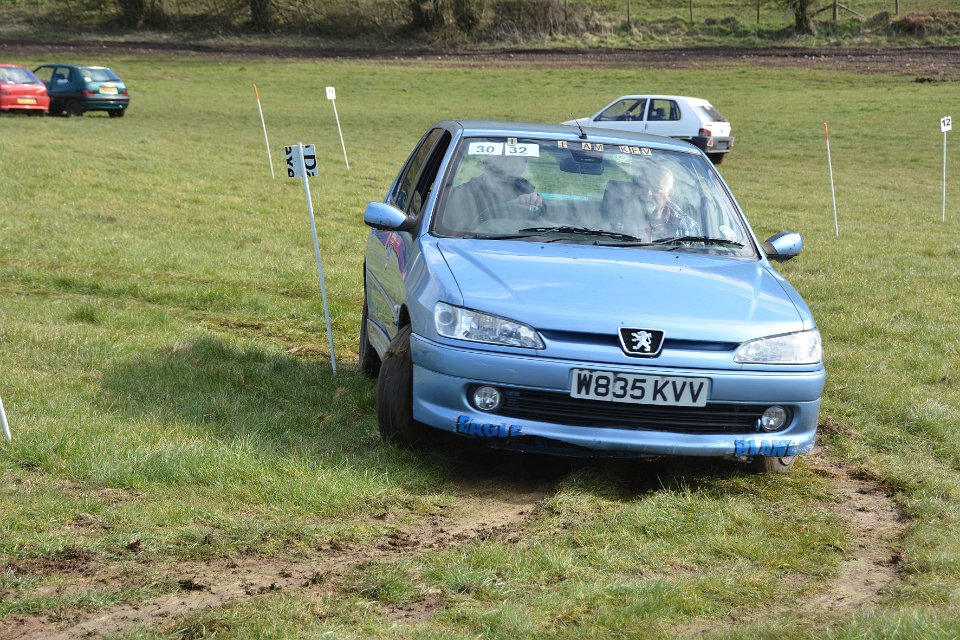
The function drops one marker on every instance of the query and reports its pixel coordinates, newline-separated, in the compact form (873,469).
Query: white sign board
(946,124)
(294,168)
(331,93)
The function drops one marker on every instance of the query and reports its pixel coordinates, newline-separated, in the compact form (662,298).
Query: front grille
(560,408)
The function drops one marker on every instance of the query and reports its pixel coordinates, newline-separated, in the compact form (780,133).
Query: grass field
(164,368)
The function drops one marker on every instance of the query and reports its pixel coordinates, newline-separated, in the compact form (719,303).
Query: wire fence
(745,11)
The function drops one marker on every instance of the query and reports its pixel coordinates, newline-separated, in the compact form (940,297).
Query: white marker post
(332,97)
(265,138)
(833,193)
(302,162)
(3,422)
(946,124)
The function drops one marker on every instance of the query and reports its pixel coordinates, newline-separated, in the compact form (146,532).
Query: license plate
(112,90)
(638,388)
(26,101)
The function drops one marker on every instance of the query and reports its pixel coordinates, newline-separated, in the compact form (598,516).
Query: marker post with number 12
(946,124)
(302,163)
(332,97)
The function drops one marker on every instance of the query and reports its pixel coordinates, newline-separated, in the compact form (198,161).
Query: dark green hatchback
(76,89)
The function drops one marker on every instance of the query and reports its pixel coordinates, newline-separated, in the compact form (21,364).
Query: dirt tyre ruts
(369,361)
(772,464)
(395,395)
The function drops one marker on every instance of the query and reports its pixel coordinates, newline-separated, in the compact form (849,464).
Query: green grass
(165,372)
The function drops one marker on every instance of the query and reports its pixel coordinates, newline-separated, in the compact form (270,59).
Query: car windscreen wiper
(584,231)
(500,236)
(703,239)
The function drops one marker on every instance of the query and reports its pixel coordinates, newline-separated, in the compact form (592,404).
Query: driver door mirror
(386,217)
(783,246)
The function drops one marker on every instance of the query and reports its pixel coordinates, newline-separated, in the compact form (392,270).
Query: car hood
(585,288)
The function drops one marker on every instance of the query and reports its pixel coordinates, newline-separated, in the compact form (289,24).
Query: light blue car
(583,292)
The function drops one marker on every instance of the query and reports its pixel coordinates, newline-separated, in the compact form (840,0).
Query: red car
(20,90)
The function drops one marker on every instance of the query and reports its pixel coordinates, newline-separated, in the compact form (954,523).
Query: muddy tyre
(395,394)
(369,360)
(769,464)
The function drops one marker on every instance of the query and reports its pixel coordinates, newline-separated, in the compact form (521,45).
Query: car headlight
(464,324)
(803,347)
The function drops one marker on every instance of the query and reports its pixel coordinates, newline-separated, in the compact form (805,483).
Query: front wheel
(716,158)
(395,394)
(117,113)
(769,464)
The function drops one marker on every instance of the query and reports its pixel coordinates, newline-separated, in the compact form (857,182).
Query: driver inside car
(665,218)
(493,193)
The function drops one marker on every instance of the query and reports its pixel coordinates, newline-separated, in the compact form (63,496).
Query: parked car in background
(20,90)
(76,89)
(595,293)
(692,119)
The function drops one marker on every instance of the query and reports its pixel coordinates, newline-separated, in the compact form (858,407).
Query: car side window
(629,109)
(428,176)
(44,73)
(403,193)
(663,110)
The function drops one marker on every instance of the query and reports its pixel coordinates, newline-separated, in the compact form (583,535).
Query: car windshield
(15,75)
(588,192)
(99,74)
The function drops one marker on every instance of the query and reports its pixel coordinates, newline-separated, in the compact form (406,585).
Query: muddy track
(871,562)
(926,64)
(479,513)
(482,509)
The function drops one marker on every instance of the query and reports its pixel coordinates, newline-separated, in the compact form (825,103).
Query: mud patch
(873,557)
(70,561)
(487,510)
(414,613)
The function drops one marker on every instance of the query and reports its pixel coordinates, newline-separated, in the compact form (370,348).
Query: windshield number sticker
(485,149)
(525,150)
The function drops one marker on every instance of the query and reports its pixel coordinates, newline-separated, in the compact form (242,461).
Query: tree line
(481,19)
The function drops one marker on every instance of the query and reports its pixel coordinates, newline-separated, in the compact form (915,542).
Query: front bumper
(443,376)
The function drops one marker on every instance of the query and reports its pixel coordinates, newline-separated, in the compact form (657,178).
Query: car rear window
(14,75)
(712,114)
(95,74)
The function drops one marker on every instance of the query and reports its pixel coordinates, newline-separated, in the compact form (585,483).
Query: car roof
(657,96)
(16,66)
(499,128)
(68,64)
